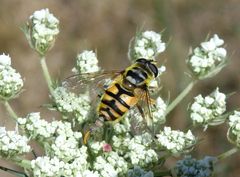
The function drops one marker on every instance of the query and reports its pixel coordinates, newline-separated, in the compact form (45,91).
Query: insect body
(125,91)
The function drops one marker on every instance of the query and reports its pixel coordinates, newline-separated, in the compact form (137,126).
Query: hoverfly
(126,90)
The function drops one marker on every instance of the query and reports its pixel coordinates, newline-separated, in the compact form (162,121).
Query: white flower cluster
(207,111)
(70,103)
(110,164)
(137,149)
(208,59)
(11,143)
(66,142)
(37,128)
(147,45)
(10,81)
(158,111)
(46,166)
(96,146)
(175,141)
(54,167)
(122,127)
(43,30)
(234,128)
(86,62)
(197,168)
(139,172)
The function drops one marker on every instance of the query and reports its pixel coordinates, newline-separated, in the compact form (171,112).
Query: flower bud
(208,59)
(234,128)
(11,82)
(41,31)
(192,167)
(86,62)
(208,111)
(147,45)
(139,172)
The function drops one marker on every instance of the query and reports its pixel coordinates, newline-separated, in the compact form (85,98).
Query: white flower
(12,144)
(10,81)
(42,30)
(122,127)
(234,128)
(5,60)
(175,141)
(66,143)
(110,165)
(158,111)
(137,149)
(46,166)
(70,103)
(96,146)
(147,45)
(54,167)
(86,62)
(35,127)
(208,110)
(208,59)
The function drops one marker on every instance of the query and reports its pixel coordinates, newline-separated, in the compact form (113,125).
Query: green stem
(46,74)
(26,164)
(227,153)
(163,173)
(180,97)
(10,110)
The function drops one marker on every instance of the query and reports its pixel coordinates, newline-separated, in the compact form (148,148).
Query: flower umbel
(147,45)
(234,128)
(70,104)
(86,62)
(175,141)
(197,168)
(12,144)
(42,30)
(138,172)
(208,111)
(11,82)
(35,127)
(208,59)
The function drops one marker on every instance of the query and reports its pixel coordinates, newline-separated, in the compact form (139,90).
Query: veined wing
(80,82)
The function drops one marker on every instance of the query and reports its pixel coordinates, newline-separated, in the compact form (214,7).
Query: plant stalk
(10,110)
(227,153)
(180,97)
(46,74)
(22,162)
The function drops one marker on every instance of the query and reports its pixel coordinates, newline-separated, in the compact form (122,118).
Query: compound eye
(154,69)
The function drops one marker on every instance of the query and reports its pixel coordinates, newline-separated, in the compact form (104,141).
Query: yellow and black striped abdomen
(115,102)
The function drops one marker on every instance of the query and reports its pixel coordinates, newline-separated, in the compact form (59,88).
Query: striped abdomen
(115,102)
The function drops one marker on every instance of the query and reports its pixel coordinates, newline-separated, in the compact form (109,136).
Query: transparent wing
(93,81)
(144,106)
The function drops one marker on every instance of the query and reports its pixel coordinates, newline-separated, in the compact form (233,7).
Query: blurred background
(107,26)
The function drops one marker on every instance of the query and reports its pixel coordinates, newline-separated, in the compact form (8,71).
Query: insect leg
(94,127)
